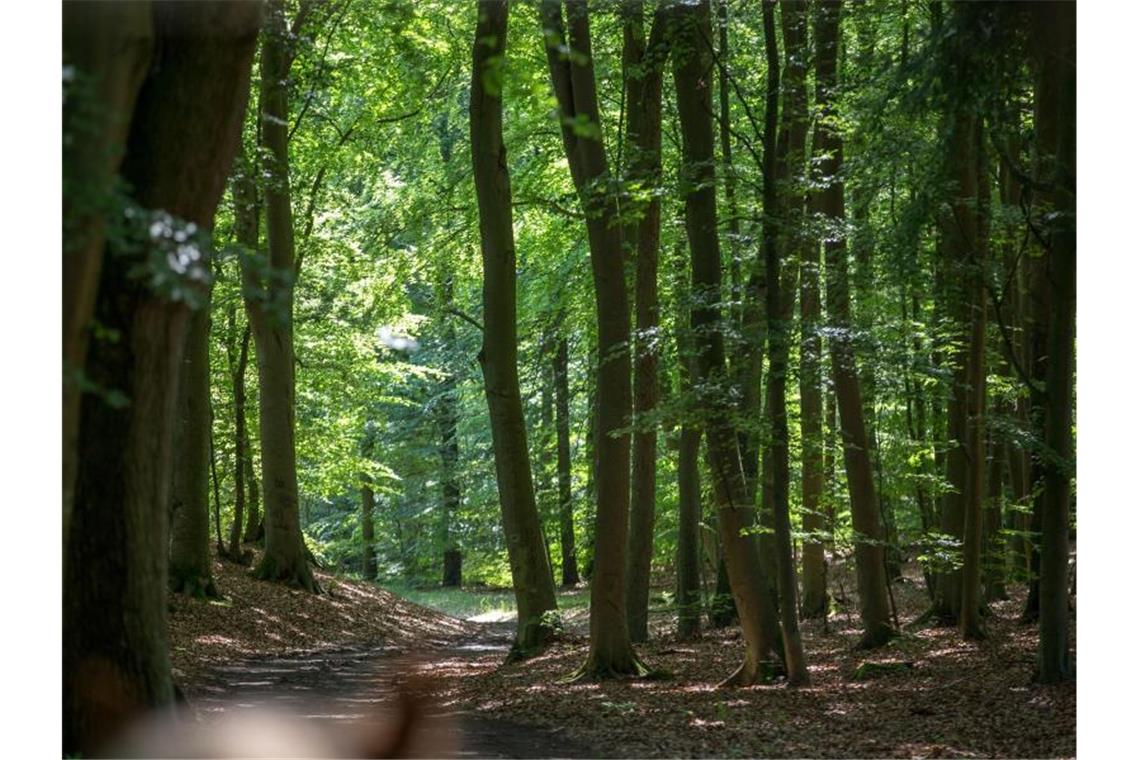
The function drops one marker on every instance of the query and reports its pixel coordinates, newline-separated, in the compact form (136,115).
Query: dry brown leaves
(257,618)
(959,699)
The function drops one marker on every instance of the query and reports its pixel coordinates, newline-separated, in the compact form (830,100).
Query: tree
(530,571)
(871,571)
(643,64)
(572,75)
(1054,32)
(184,132)
(565,482)
(691,63)
(190,571)
(107,48)
(783,207)
(270,309)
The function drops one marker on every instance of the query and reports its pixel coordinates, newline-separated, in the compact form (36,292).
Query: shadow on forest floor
(342,653)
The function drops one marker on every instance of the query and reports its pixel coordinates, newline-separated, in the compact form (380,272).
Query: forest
(546,378)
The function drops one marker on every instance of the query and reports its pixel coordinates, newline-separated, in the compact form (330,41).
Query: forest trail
(340,658)
(357,685)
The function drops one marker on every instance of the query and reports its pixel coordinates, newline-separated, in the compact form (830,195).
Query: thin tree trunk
(572,76)
(643,135)
(688,533)
(241,441)
(367,529)
(782,153)
(746,573)
(970,620)
(285,558)
(189,571)
(448,410)
(565,484)
(530,571)
(871,572)
(183,135)
(994,556)
(688,471)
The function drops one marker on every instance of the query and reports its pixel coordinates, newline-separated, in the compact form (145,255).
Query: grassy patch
(482,603)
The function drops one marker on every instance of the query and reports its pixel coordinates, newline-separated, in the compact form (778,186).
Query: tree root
(192,585)
(751,674)
(301,578)
(591,671)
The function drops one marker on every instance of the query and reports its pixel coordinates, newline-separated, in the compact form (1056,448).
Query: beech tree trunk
(1054,29)
(285,557)
(783,215)
(241,439)
(643,142)
(530,571)
(448,415)
(871,572)
(688,468)
(107,48)
(611,652)
(183,135)
(190,492)
(565,483)
(692,63)
(367,529)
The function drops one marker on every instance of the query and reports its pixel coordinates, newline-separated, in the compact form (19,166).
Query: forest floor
(340,657)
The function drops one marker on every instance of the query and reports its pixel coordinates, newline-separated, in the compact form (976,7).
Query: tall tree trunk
(688,470)
(970,622)
(871,572)
(574,87)
(993,543)
(691,59)
(241,440)
(255,520)
(565,482)
(448,415)
(814,603)
(783,212)
(367,528)
(182,140)
(530,571)
(107,47)
(1054,29)
(688,533)
(189,571)
(285,558)
(643,135)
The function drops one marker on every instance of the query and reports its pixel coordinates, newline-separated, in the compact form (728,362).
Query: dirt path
(359,685)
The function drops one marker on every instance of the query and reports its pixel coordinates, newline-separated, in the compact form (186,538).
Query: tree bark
(970,621)
(530,571)
(189,571)
(1054,28)
(572,76)
(643,140)
(285,558)
(565,484)
(182,139)
(448,415)
(367,529)
(107,49)
(871,572)
(691,59)
(241,440)
(783,211)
